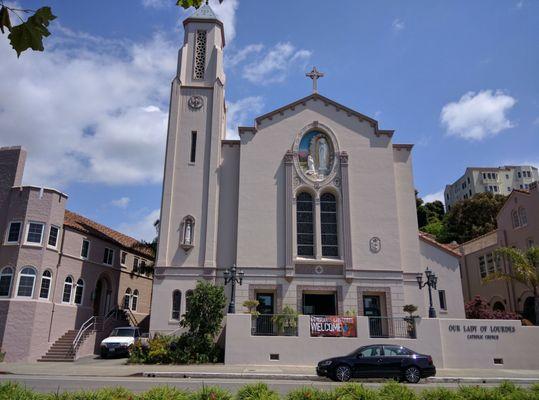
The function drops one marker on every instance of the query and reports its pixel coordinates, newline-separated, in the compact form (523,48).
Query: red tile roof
(448,248)
(85,225)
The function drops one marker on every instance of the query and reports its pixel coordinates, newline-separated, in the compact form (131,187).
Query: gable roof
(82,224)
(513,193)
(327,102)
(448,248)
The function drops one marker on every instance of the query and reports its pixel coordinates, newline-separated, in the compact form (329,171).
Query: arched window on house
(305,225)
(498,306)
(127,299)
(46,279)
(522,216)
(27,280)
(79,290)
(68,288)
(6,277)
(134,300)
(187,232)
(176,304)
(516,222)
(188,296)
(328,219)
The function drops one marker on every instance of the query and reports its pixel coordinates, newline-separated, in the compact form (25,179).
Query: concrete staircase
(62,349)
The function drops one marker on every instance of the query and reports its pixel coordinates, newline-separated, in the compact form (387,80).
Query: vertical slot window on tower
(200,55)
(193,155)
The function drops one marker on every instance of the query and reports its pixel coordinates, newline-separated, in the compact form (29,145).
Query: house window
(192,157)
(134,300)
(14,232)
(46,279)
(79,290)
(127,298)
(305,225)
(35,233)
(482,267)
(176,304)
(530,243)
(53,236)
(85,249)
(328,217)
(516,222)
(441,295)
(27,279)
(519,174)
(123,257)
(135,264)
(490,264)
(6,277)
(142,266)
(108,256)
(200,54)
(68,288)
(506,176)
(522,216)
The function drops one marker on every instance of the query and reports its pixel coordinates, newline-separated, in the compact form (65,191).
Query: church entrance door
(320,303)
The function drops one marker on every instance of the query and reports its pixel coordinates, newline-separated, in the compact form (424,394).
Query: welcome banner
(333,326)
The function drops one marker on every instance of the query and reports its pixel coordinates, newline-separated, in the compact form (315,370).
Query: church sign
(333,326)
(480,332)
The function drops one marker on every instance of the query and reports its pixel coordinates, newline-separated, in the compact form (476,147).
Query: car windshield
(127,332)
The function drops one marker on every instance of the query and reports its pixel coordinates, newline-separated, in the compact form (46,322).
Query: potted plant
(410,319)
(251,306)
(286,321)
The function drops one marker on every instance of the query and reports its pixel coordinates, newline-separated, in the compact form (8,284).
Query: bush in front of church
(202,322)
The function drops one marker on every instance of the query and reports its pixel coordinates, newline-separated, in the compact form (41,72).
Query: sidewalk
(90,366)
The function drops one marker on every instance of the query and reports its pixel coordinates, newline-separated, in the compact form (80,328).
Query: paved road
(140,384)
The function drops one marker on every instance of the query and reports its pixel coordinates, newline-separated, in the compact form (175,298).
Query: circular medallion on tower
(195,102)
(316,155)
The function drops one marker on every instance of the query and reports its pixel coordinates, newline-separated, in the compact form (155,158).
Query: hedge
(260,391)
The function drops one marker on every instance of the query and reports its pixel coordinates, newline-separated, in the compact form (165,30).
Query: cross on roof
(314,75)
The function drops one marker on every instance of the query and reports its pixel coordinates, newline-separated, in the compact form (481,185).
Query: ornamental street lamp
(431,282)
(233,276)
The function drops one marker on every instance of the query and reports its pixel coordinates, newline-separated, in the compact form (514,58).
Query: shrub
(477,308)
(256,391)
(164,393)
(477,393)
(308,393)
(353,391)
(396,391)
(211,393)
(439,394)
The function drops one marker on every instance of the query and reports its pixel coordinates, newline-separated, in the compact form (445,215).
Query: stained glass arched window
(328,219)
(305,225)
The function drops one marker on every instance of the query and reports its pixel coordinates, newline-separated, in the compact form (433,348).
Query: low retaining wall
(452,343)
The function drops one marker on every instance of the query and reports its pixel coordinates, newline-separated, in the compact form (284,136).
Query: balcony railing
(274,325)
(388,327)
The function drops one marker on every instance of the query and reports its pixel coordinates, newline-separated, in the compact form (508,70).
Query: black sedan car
(378,361)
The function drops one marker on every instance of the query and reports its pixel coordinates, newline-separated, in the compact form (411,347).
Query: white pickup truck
(120,341)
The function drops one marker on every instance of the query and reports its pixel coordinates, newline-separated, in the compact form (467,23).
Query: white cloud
(226,12)
(477,116)
(274,65)
(157,3)
(85,114)
(234,58)
(122,202)
(143,228)
(239,112)
(429,198)
(398,24)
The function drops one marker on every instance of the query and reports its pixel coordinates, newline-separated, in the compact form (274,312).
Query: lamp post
(233,276)
(431,282)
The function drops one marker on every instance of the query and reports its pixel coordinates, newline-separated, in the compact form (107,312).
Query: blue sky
(458,79)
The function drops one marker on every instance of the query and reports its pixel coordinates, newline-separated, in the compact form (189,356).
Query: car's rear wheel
(343,373)
(412,374)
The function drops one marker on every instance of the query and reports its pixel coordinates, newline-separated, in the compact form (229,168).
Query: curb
(311,377)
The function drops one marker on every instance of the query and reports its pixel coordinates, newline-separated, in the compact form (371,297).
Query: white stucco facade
(333,233)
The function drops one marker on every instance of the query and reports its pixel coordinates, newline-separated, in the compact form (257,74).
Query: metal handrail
(84,327)
(92,322)
(131,316)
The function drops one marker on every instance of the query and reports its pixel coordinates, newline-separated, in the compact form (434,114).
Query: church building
(314,203)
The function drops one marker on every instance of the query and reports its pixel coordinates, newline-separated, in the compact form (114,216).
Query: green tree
(428,213)
(471,218)
(524,269)
(29,34)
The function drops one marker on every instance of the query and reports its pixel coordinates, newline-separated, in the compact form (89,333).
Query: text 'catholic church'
(315,203)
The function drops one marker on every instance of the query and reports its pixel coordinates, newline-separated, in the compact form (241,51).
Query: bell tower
(189,208)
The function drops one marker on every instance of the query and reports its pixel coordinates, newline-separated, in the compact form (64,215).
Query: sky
(457,79)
